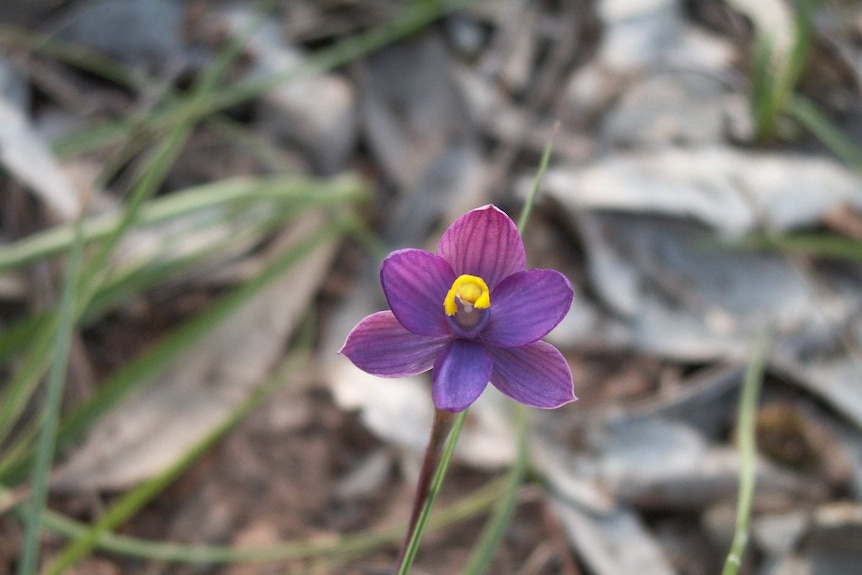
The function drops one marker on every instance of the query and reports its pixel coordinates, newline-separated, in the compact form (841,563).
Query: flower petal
(380,345)
(484,242)
(536,375)
(460,375)
(415,283)
(526,306)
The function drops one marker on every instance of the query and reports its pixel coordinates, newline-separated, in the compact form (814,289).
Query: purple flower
(473,314)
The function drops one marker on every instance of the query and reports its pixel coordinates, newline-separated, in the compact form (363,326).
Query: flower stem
(436,461)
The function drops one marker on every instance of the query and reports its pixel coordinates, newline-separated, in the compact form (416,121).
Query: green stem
(537,181)
(806,113)
(745,431)
(438,454)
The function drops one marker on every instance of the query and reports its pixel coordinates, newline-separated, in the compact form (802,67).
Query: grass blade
(745,434)
(497,525)
(476,503)
(817,245)
(763,91)
(807,114)
(51,413)
(20,389)
(74,54)
(774,83)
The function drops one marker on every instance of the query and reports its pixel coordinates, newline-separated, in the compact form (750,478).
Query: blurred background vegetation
(194,200)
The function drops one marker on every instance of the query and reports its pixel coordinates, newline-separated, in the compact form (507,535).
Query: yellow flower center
(470,291)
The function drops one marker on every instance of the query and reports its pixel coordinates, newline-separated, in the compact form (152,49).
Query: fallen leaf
(28,157)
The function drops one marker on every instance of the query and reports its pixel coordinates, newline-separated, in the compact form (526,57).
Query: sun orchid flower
(473,314)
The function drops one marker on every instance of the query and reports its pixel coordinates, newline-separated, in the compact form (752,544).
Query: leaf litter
(655,189)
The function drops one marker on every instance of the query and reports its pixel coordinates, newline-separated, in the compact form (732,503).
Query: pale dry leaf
(28,157)
(613,543)
(726,189)
(774,19)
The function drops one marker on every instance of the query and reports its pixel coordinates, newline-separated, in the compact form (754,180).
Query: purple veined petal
(526,306)
(381,346)
(484,242)
(461,373)
(415,283)
(536,375)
